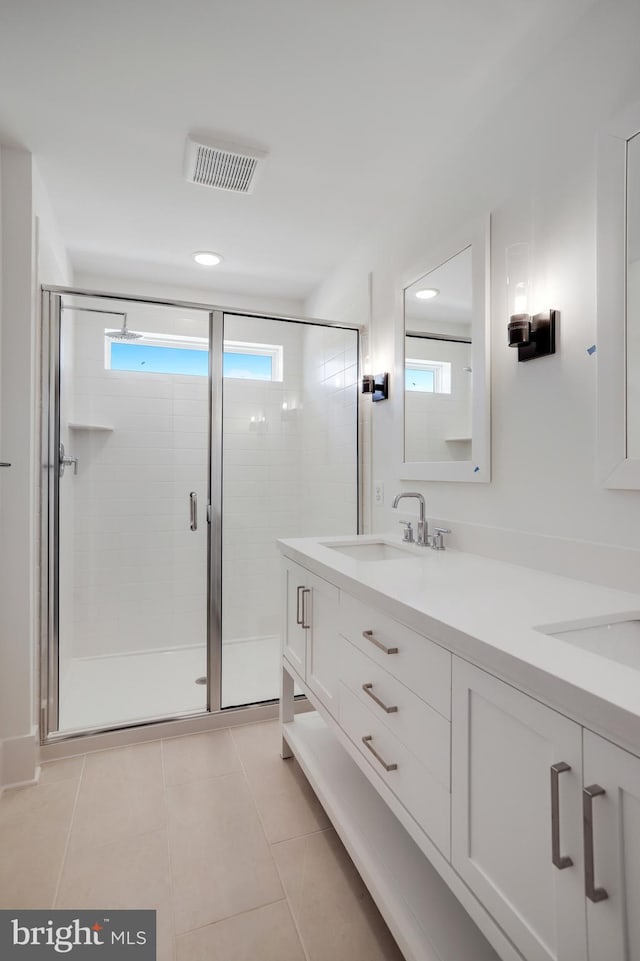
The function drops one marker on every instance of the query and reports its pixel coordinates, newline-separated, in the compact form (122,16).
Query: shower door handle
(193,510)
(64,461)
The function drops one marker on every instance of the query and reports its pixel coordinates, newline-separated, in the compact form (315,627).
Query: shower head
(124,333)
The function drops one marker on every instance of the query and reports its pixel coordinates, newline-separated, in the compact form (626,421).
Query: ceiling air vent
(222,165)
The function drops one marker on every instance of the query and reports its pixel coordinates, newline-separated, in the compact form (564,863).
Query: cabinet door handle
(305,591)
(367,688)
(593,893)
(193,511)
(299,616)
(366,740)
(368,635)
(559,860)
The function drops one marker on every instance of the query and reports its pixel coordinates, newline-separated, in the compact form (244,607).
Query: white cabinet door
(503,747)
(320,609)
(294,635)
(612,831)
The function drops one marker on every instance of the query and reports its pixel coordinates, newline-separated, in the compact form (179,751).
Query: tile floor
(215,831)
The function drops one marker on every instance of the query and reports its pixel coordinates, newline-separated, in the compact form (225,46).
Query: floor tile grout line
(294,917)
(166,811)
(286,896)
(230,917)
(68,841)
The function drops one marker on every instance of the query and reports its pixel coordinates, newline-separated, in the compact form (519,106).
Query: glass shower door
(133,482)
(290,469)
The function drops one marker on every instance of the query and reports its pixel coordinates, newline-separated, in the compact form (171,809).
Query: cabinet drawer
(417,725)
(416,788)
(424,667)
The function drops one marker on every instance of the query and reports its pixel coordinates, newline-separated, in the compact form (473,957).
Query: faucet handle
(407,534)
(437,538)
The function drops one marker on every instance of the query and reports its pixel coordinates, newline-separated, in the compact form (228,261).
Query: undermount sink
(616,640)
(372,551)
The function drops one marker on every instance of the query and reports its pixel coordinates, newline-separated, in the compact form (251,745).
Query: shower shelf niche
(75,425)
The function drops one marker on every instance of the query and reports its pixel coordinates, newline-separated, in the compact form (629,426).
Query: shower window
(167,354)
(428,376)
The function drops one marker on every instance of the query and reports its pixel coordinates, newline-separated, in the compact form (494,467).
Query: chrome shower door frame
(51,313)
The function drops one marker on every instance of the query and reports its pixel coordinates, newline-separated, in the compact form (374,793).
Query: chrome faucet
(422,533)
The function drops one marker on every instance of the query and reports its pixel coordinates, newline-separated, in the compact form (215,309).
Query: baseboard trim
(18,761)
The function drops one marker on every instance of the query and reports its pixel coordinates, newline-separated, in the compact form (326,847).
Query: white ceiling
(352,98)
(453,303)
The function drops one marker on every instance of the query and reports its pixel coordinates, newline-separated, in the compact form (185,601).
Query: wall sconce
(377,385)
(534,336)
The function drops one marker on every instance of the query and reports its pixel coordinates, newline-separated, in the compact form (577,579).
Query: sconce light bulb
(521,299)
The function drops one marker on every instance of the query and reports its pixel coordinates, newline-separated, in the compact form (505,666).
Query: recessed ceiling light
(206,258)
(427,293)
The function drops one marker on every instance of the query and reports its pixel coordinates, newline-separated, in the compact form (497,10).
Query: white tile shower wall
(139,573)
(293,475)
(432,421)
(261,479)
(329,463)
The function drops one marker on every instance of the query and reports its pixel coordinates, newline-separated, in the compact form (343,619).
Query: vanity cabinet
(311,631)
(294,632)
(436,772)
(545,823)
(613,824)
(504,745)
(404,740)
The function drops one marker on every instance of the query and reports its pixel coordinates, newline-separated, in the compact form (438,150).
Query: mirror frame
(614,469)
(478,469)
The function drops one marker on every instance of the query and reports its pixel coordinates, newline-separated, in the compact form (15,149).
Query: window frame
(441,370)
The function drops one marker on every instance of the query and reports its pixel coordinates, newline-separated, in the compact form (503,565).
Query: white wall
(31,254)
(533,166)
(197,294)
(329,468)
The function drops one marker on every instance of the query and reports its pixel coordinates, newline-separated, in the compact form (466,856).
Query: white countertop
(488,611)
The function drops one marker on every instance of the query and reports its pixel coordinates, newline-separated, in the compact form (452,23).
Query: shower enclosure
(179,442)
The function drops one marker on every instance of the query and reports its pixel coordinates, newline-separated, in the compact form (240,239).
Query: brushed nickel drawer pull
(366,740)
(299,618)
(593,893)
(367,688)
(560,861)
(368,635)
(305,592)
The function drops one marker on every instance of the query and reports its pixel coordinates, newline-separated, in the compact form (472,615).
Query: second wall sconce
(377,385)
(534,336)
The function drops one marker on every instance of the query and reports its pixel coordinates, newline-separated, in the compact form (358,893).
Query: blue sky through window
(416,379)
(159,360)
(153,359)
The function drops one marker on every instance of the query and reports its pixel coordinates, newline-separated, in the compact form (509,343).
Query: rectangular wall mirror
(444,351)
(618,344)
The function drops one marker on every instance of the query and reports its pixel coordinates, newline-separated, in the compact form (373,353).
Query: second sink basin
(617,640)
(372,551)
